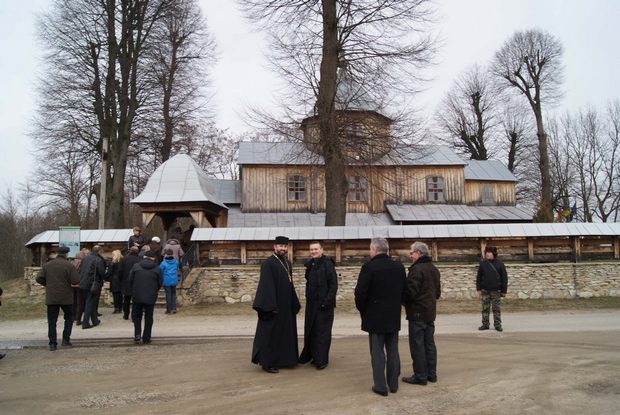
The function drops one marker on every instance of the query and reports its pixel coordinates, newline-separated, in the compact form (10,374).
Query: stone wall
(234,284)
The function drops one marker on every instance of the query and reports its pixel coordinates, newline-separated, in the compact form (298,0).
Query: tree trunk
(336,184)
(544,213)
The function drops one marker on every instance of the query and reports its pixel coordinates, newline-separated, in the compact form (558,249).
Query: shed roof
(488,170)
(458,213)
(297,153)
(500,230)
(180,179)
(238,219)
(86,235)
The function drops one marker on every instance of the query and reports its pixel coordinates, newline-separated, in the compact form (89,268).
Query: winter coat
(423,290)
(127,264)
(175,246)
(92,269)
(156,247)
(169,267)
(113,275)
(145,280)
(379,294)
(492,276)
(140,240)
(321,281)
(57,276)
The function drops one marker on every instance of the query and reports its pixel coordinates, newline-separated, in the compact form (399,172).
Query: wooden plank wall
(443,250)
(504,193)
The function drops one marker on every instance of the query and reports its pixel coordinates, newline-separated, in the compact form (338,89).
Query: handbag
(94,287)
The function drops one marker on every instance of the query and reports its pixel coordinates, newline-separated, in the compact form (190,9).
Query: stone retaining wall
(233,284)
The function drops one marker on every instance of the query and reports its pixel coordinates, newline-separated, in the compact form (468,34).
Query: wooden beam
(244,253)
(530,249)
(435,250)
(199,218)
(617,247)
(483,245)
(576,248)
(291,249)
(147,217)
(338,252)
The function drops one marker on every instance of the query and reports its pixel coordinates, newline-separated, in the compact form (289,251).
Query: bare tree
(530,63)
(377,47)
(467,115)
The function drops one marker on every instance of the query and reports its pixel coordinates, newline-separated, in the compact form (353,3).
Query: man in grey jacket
(57,276)
(145,279)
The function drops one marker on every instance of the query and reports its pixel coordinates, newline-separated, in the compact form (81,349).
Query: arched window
(296,188)
(434,189)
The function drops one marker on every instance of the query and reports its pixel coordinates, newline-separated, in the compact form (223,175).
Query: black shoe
(413,380)
(483,327)
(378,392)
(137,339)
(500,329)
(432,379)
(78,323)
(146,341)
(2,356)
(53,347)
(321,367)
(393,390)
(67,343)
(125,317)
(90,326)
(271,369)
(97,323)
(99,314)
(303,361)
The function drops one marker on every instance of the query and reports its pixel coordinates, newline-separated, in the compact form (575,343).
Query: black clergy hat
(281,240)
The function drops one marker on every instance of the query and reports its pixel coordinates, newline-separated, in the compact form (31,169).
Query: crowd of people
(383,288)
(135,279)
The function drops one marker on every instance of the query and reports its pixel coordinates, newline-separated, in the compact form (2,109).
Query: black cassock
(275,342)
(321,287)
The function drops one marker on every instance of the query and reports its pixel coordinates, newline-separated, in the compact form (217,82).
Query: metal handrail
(188,261)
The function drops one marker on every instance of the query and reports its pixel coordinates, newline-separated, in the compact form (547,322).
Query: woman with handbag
(491,284)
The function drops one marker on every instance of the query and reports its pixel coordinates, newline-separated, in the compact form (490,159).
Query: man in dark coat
(492,284)
(57,276)
(321,288)
(378,297)
(92,269)
(423,291)
(155,246)
(127,264)
(276,302)
(137,239)
(145,279)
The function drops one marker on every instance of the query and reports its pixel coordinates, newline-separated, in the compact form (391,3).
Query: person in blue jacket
(169,268)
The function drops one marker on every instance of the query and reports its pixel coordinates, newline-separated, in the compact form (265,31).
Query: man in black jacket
(92,270)
(127,264)
(57,276)
(378,297)
(321,288)
(145,280)
(492,284)
(423,291)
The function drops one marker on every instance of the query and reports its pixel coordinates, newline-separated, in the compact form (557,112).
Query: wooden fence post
(244,253)
(530,249)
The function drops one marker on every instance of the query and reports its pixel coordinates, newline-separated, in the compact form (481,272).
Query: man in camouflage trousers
(492,284)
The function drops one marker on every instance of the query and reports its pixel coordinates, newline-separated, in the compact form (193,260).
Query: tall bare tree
(378,47)
(530,63)
(467,115)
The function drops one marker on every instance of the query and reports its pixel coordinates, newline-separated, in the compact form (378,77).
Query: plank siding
(503,192)
(265,187)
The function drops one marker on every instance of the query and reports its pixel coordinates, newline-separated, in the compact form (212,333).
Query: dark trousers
(52,318)
(384,359)
(491,299)
(126,306)
(118,300)
(90,309)
(423,349)
(78,304)
(171,298)
(147,310)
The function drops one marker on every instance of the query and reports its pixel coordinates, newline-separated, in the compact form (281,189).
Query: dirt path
(567,363)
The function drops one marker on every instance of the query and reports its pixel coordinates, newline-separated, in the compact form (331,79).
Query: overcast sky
(472,31)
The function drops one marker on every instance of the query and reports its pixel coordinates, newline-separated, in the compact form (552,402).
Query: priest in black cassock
(276,302)
(321,288)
